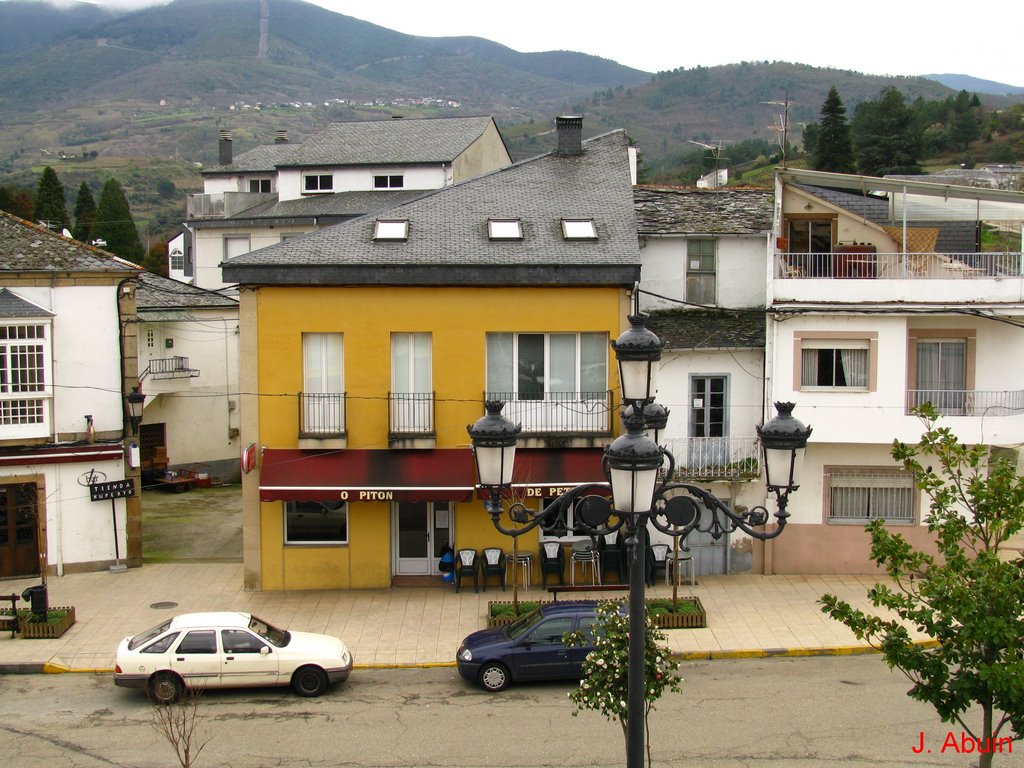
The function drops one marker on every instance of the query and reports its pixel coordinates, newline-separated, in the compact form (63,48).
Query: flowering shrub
(604,687)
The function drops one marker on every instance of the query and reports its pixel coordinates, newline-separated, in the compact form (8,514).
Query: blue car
(529,649)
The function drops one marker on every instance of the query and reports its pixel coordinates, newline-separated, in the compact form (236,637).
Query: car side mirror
(264,650)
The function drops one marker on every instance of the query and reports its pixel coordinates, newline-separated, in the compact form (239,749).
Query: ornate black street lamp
(633,465)
(136,400)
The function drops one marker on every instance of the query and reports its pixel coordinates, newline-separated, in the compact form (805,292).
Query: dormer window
(318,182)
(396,181)
(391,229)
(504,229)
(259,185)
(579,229)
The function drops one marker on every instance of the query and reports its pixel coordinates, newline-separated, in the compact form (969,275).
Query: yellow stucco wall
(458,319)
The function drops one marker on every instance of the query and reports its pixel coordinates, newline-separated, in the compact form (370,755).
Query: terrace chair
(552,560)
(493,564)
(657,560)
(465,565)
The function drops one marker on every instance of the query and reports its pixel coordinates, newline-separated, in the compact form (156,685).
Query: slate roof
(26,247)
(381,142)
(448,228)
(685,210)
(12,306)
(366,142)
(155,292)
(339,204)
(709,329)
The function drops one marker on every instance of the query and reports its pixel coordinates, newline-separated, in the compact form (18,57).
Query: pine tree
(114,223)
(886,138)
(964,121)
(85,214)
(832,148)
(50,208)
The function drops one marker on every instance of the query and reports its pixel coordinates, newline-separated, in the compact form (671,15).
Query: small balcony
(322,415)
(559,414)
(955,402)
(163,368)
(219,205)
(865,264)
(716,459)
(410,416)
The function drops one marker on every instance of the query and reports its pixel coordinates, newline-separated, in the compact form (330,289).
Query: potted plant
(58,620)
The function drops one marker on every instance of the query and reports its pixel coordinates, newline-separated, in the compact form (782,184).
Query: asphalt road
(204,524)
(783,713)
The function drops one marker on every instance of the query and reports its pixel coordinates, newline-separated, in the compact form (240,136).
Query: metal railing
(558,412)
(970,402)
(899,266)
(321,414)
(716,458)
(411,413)
(169,368)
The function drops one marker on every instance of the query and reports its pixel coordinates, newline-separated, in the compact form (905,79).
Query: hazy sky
(898,37)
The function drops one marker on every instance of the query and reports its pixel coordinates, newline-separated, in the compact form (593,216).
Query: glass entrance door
(421,529)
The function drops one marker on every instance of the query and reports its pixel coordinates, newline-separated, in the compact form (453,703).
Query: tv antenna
(781,124)
(716,153)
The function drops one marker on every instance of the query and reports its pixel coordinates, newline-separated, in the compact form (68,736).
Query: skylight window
(504,229)
(579,229)
(391,229)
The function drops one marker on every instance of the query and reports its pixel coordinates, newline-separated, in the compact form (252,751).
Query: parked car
(529,649)
(228,650)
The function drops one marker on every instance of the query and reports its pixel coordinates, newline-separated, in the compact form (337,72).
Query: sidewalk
(748,615)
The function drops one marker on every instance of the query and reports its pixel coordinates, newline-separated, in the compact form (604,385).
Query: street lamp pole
(632,464)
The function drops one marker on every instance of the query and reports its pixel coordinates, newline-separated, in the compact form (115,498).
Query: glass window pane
(421,363)
(401,362)
(562,363)
(531,366)
(315,522)
(593,362)
(500,365)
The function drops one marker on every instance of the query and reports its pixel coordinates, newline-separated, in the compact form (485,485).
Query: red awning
(440,474)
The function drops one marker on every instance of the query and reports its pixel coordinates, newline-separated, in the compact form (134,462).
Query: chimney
(224,146)
(280,137)
(570,135)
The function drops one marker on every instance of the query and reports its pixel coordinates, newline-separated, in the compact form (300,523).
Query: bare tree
(179,722)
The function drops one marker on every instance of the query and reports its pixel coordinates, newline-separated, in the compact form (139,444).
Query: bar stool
(524,560)
(585,552)
(683,556)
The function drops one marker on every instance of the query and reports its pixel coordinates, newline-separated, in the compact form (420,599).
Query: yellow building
(368,348)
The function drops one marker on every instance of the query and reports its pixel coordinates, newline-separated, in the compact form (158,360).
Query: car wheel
(494,677)
(309,681)
(165,688)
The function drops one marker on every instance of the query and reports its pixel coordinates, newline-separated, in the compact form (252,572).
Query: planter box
(46,630)
(695,620)
(498,621)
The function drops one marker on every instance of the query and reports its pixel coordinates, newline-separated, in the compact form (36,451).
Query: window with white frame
(861,495)
(412,407)
(388,181)
(394,229)
(177,259)
(542,366)
(940,375)
(835,363)
(315,522)
(504,229)
(700,271)
(235,245)
(259,185)
(323,384)
(24,379)
(317,182)
(579,229)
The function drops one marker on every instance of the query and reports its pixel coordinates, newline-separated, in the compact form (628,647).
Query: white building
(67,360)
(703,281)
(885,294)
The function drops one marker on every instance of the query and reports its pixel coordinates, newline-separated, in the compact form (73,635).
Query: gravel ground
(201,525)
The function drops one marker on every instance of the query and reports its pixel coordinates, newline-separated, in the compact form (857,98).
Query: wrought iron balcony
(321,414)
(411,414)
(736,459)
(559,413)
(176,367)
(956,402)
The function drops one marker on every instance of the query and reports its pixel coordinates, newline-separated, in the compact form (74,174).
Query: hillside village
(339,309)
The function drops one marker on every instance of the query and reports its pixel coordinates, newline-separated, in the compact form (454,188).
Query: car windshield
(270,633)
(144,637)
(519,628)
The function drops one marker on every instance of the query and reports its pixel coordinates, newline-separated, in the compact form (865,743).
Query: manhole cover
(165,604)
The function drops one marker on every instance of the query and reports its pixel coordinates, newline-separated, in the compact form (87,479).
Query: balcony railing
(559,412)
(321,414)
(217,205)
(169,368)
(716,458)
(411,413)
(899,266)
(972,402)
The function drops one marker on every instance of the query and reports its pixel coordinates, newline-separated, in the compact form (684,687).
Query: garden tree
(85,214)
(50,208)
(16,201)
(114,223)
(604,687)
(968,599)
(809,138)
(885,136)
(156,259)
(832,149)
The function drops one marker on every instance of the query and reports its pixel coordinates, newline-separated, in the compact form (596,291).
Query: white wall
(289,180)
(80,530)
(208,249)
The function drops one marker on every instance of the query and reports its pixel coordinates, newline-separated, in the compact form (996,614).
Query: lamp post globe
(638,351)
(784,440)
(494,446)
(633,461)
(136,400)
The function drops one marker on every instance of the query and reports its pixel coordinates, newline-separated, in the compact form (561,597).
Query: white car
(228,650)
